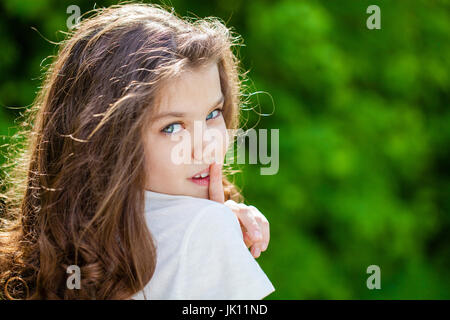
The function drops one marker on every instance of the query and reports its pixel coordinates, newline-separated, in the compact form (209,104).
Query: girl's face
(186,134)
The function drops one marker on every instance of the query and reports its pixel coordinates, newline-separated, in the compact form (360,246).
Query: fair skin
(189,116)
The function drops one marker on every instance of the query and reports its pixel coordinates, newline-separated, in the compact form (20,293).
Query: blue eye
(170,128)
(218,111)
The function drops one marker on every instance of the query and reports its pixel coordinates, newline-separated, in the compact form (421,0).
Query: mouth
(201,178)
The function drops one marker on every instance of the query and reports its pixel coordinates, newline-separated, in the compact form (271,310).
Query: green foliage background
(364,134)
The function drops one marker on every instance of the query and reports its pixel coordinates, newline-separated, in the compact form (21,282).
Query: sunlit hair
(74,192)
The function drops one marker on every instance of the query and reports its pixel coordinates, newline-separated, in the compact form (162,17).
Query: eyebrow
(182,114)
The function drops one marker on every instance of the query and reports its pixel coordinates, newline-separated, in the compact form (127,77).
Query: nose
(207,144)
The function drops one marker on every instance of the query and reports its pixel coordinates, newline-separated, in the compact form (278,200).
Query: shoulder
(213,235)
(191,220)
(207,214)
(215,262)
(214,221)
(214,212)
(186,209)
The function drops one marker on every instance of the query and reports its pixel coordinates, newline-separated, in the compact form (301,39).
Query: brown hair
(75,195)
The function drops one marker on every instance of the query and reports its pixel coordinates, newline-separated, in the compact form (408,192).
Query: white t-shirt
(201,254)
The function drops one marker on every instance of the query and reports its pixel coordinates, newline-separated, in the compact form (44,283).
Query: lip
(200,181)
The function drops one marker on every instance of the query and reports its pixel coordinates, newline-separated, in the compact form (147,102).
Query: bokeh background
(364,133)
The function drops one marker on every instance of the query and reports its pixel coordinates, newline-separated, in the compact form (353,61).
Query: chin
(203,195)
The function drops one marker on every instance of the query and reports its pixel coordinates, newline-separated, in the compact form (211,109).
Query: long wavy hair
(74,192)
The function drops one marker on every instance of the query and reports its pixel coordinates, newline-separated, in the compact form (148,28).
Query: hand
(254,225)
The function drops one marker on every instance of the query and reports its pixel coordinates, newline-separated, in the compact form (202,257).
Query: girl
(103,195)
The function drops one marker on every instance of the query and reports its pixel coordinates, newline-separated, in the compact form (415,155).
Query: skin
(197,94)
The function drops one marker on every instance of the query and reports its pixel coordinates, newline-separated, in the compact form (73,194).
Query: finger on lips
(216,192)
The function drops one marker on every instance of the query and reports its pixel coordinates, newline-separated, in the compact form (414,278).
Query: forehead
(193,89)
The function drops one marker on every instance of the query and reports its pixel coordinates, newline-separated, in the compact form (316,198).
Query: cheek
(158,159)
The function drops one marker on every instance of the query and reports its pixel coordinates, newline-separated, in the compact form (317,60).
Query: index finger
(216,192)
